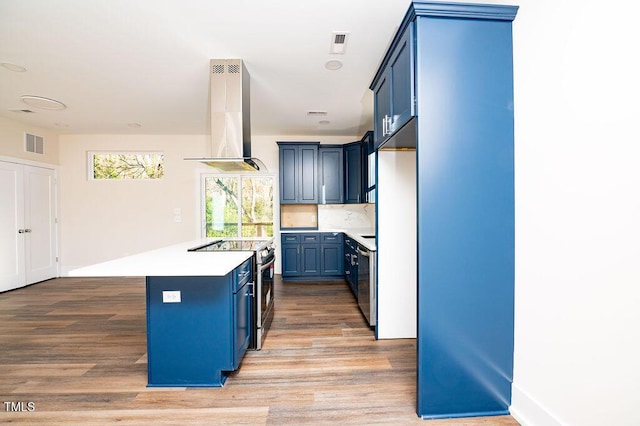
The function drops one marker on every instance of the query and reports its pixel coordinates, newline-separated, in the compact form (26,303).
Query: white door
(27,225)
(12,244)
(39,224)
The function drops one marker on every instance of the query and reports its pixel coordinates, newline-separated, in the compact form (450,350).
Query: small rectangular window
(126,165)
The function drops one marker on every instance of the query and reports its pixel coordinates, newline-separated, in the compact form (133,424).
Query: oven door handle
(268,264)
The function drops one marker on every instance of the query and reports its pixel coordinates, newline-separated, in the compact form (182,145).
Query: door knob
(20,231)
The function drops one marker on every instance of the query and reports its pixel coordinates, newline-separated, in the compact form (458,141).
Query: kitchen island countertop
(173,260)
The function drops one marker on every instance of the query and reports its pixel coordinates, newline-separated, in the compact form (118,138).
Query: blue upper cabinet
(298,172)
(393,88)
(353,173)
(330,174)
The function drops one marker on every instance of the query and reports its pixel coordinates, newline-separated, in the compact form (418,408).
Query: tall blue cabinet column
(464,91)
(463,135)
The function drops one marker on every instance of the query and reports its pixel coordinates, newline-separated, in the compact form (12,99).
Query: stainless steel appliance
(367,283)
(263,271)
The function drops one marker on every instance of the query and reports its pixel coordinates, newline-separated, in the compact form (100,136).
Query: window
(126,165)
(238,205)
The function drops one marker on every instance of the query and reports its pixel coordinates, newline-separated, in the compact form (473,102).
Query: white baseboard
(529,412)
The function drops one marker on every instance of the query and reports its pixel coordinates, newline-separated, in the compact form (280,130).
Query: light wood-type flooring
(73,351)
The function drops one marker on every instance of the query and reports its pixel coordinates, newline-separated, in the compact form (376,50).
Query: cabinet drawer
(242,274)
(310,238)
(290,238)
(332,237)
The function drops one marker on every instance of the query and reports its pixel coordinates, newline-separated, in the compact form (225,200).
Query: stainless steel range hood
(230,144)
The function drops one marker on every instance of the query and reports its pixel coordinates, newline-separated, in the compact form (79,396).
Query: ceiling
(142,66)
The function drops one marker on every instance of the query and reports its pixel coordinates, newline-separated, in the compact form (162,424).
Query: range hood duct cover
(230,121)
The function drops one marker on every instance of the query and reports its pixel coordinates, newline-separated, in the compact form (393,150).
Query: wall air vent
(339,42)
(33,143)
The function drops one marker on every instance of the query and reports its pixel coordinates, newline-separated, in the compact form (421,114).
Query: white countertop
(173,260)
(355,233)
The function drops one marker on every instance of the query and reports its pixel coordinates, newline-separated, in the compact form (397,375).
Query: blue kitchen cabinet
(312,255)
(330,174)
(351,264)
(353,173)
(462,67)
(298,166)
(301,255)
(393,88)
(331,254)
(290,243)
(198,327)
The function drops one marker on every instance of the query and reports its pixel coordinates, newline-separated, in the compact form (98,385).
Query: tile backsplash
(346,215)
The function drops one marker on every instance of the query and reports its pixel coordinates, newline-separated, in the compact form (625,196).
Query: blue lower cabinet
(198,328)
(310,259)
(312,255)
(351,264)
(331,254)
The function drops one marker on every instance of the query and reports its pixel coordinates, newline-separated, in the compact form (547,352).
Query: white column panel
(397,244)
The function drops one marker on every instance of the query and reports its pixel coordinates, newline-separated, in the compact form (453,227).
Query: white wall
(12,141)
(106,219)
(103,220)
(577,337)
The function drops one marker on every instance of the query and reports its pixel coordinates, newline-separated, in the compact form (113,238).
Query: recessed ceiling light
(43,103)
(13,67)
(333,65)
(323,122)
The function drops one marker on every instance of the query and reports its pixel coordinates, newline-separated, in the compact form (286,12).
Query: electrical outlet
(171,297)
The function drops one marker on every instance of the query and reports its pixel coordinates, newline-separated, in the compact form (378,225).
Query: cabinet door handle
(387,123)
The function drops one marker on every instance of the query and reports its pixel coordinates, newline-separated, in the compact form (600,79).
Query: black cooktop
(232,245)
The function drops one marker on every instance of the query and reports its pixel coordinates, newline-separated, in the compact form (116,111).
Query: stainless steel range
(263,271)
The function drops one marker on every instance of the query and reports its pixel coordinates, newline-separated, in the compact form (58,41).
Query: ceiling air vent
(317,113)
(338,42)
(33,143)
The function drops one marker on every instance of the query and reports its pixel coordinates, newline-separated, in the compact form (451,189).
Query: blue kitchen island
(198,311)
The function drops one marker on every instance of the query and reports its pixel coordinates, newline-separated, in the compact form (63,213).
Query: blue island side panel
(465,217)
(189,343)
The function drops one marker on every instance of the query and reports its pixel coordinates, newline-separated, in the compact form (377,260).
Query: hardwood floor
(73,351)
